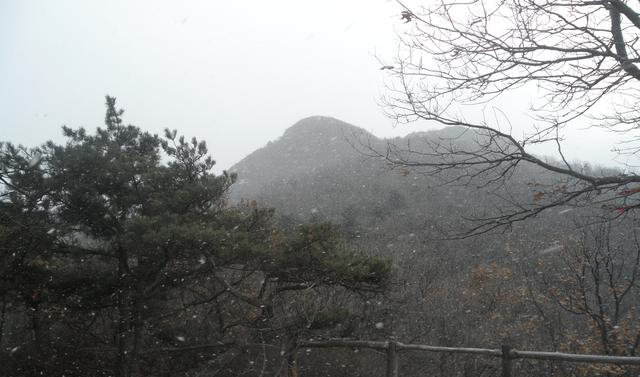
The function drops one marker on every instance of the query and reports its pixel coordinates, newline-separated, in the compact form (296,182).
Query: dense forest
(565,280)
(123,254)
(126,253)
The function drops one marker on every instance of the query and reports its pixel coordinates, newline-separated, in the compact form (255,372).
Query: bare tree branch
(583,57)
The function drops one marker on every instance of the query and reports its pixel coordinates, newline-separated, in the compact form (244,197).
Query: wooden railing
(506,353)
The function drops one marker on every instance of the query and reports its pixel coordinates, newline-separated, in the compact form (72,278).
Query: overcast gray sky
(234,73)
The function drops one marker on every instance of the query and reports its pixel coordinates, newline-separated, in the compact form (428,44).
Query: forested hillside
(500,238)
(553,282)
(123,254)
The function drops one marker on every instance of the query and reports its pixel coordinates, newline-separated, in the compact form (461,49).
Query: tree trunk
(3,312)
(292,363)
(289,364)
(123,331)
(36,325)
(138,325)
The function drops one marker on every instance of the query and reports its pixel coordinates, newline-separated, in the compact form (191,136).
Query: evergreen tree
(120,246)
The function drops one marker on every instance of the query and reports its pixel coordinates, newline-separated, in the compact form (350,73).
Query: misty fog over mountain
(466,204)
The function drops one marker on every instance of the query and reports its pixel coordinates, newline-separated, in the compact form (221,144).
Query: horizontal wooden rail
(335,343)
(506,353)
(475,351)
(576,358)
(514,354)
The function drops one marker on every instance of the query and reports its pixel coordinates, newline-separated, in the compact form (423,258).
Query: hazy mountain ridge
(309,146)
(321,145)
(312,173)
(323,168)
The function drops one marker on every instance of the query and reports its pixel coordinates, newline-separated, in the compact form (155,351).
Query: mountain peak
(317,119)
(311,144)
(316,146)
(322,128)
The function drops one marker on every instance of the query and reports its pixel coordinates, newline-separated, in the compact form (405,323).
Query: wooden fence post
(507,366)
(392,359)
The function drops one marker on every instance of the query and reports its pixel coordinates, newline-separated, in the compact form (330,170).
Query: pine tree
(121,246)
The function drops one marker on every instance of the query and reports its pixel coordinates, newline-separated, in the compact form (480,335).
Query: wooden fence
(507,354)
